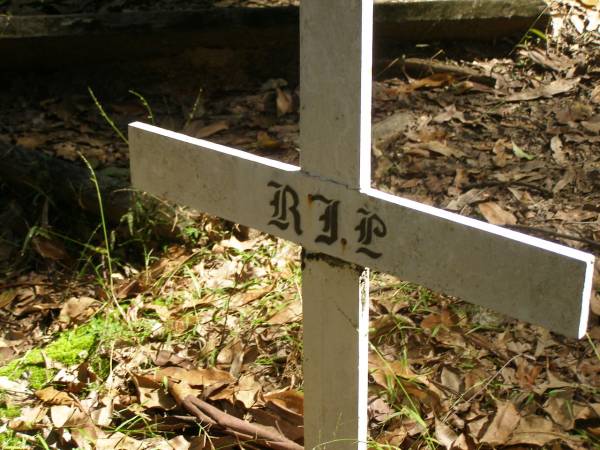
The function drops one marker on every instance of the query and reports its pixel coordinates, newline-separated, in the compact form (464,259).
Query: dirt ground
(509,134)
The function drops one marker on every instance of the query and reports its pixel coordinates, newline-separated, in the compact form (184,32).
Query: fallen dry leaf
(561,411)
(545,90)
(289,400)
(595,95)
(444,434)
(432,81)
(6,297)
(31,141)
(267,142)
(14,392)
(52,396)
(285,104)
(152,394)
(290,313)
(78,309)
(443,149)
(31,418)
(49,248)
(197,130)
(494,214)
(503,424)
(247,389)
(536,430)
(194,377)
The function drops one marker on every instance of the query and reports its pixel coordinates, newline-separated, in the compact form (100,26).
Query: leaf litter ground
(218,316)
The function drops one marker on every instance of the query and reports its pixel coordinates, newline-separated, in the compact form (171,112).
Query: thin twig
(524,184)
(545,231)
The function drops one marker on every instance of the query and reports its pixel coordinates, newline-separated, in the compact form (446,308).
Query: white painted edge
(436,212)
(366,94)
(363,360)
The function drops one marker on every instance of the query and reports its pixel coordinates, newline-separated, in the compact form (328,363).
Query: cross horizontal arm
(475,261)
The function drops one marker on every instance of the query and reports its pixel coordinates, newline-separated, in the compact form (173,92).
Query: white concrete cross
(328,206)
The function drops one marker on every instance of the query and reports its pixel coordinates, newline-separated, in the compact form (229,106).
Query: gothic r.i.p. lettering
(285,204)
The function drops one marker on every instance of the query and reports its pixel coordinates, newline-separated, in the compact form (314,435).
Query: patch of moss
(32,363)
(71,347)
(9,412)
(9,441)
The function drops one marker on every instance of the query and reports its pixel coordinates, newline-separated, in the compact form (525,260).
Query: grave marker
(327,206)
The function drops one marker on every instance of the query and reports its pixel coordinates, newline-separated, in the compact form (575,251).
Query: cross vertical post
(335,90)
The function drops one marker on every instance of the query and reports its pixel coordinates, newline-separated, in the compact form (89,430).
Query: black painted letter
(370,224)
(329,219)
(285,200)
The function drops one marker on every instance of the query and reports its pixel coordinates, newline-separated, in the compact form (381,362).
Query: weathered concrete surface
(512,273)
(426,16)
(457,19)
(39,41)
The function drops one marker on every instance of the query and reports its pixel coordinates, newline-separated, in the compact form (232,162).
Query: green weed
(107,117)
(10,441)
(142,99)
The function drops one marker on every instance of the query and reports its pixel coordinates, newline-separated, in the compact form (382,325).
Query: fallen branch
(420,68)
(245,431)
(210,416)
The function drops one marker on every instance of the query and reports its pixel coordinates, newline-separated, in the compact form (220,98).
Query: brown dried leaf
(462,442)
(291,313)
(78,309)
(503,424)
(194,377)
(290,427)
(266,142)
(385,372)
(52,396)
(6,297)
(181,390)
(432,81)
(494,214)
(152,393)
(67,416)
(248,296)
(118,441)
(247,389)
(536,430)
(561,411)
(49,248)
(545,90)
(558,152)
(201,132)
(30,418)
(14,392)
(31,141)
(595,95)
(285,103)
(443,149)
(452,379)
(526,373)
(290,400)
(444,434)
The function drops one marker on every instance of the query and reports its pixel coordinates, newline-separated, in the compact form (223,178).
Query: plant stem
(107,118)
